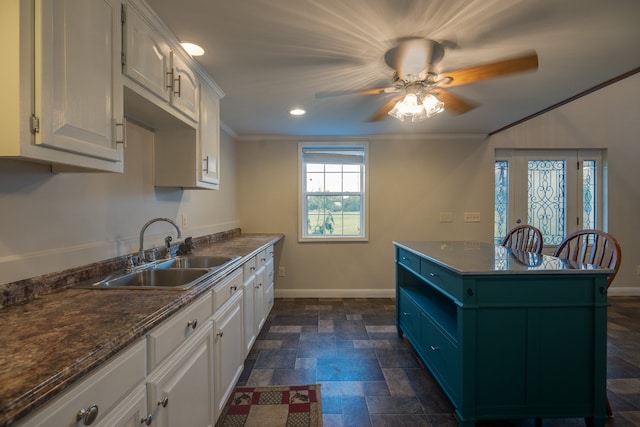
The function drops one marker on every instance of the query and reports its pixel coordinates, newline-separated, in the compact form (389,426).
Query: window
(557,191)
(333,202)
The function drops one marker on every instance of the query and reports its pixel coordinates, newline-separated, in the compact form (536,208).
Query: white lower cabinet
(180,391)
(258,299)
(250,331)
(229,348)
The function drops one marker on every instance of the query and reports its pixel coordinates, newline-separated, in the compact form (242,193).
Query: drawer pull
(252,269)
(233,289)
(434,348)
(220,334)
(406,314)
(147,420)
(192,324)
(434,275)
(164,402)
(88,415)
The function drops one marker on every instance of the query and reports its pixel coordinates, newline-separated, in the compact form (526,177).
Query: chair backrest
(524,237)
(592,247)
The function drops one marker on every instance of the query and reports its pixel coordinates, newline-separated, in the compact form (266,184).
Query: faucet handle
(128,267)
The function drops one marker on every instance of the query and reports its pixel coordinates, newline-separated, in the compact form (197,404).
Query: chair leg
(609,411)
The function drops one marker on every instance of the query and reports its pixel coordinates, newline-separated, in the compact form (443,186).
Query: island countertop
(49,343)
(478,258)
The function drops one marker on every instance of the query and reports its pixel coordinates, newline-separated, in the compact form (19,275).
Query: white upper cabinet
(62,73)
(150,60)
(209,137)
(146,56)
(184,88)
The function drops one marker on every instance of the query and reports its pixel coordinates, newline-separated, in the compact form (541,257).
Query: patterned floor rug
(273,406)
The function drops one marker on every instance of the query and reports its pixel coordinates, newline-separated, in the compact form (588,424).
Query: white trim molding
(335,293)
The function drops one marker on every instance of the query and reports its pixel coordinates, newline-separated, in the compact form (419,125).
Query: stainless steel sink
(178,279)
(178,273)
(196,261)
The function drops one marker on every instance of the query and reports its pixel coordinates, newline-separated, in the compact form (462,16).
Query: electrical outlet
(185,221)
(281,272)
(446,216)
(472,217)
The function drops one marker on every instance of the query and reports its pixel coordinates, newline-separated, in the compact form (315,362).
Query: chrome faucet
(141,259)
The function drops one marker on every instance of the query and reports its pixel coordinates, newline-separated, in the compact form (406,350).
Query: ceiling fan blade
(465,76)
(382,112)
(372,91)
(454,103)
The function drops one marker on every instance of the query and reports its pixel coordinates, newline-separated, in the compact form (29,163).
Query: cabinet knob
(88,415)
(147,420)
(164,402)
(192,324)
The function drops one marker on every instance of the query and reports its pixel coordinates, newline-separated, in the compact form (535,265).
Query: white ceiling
(269,56)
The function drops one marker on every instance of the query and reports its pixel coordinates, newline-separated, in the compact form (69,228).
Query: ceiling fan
(420,90)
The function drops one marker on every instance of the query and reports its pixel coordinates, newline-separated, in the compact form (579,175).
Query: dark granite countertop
(49,343)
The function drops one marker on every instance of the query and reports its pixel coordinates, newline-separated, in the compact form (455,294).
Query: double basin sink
(178,273)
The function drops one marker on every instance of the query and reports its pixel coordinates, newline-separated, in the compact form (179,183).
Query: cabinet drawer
(164,339)
(409,260)
(441,355)
(104,389)
(227,287)
(249,268)
(261,258)
(441,278)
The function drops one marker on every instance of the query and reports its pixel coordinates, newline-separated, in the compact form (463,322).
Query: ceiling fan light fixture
(416,106)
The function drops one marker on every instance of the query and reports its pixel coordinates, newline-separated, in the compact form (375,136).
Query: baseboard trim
(335,293)
(620,291)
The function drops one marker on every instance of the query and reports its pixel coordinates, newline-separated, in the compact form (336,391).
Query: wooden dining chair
(524,237)
(592,247)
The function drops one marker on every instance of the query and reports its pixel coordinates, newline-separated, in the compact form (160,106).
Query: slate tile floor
(370,377)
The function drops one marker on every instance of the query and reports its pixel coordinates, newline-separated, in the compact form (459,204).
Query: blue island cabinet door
(540,348)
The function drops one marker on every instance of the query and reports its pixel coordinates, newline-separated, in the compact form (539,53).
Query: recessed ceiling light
(193,49)
(297,112)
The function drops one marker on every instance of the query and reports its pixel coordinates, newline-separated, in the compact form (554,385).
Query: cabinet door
(229,349)
(184,95)
(132,412)
(249,323)
(180,391)
(78,86)
(146,55)
(209,136)
(258,300)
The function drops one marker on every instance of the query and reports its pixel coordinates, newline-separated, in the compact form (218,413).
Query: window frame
(303,236)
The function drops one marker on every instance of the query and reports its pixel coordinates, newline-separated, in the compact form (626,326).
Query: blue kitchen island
(507,334)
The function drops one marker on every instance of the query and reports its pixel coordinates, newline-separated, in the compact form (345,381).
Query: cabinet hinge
(123,59)
(123,14)
(35,124)
(578,165)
